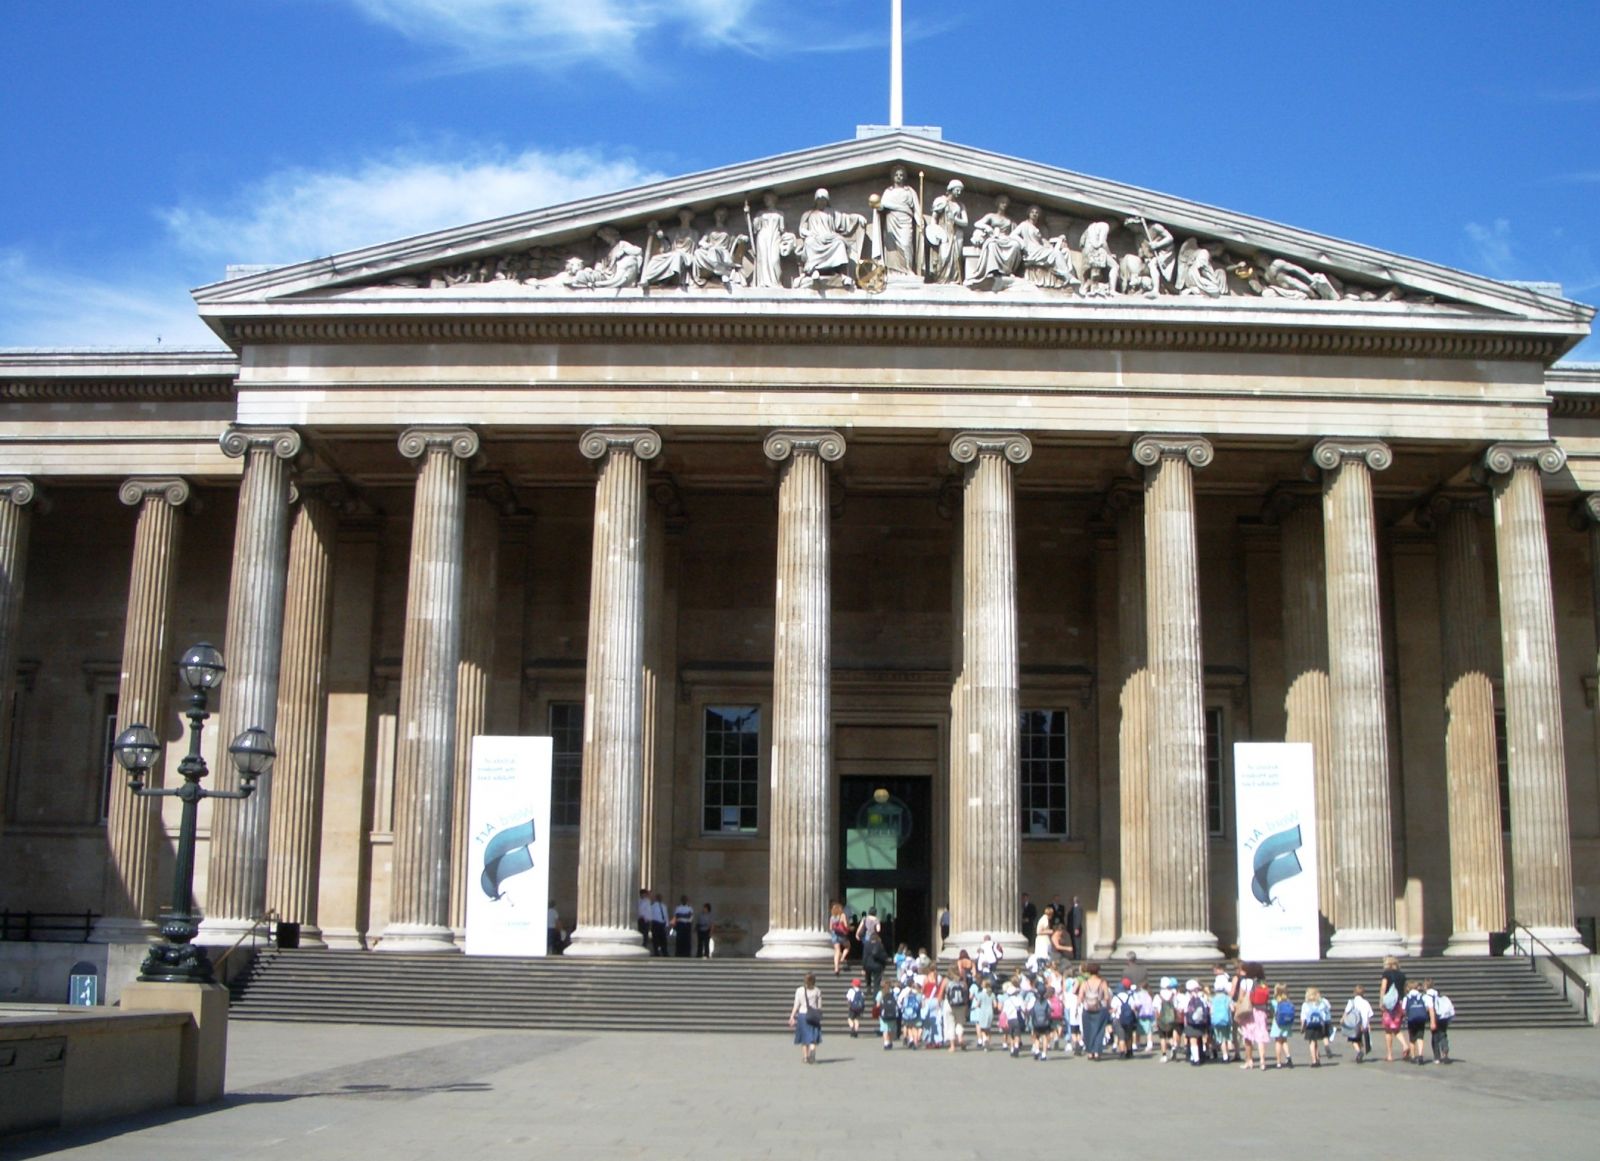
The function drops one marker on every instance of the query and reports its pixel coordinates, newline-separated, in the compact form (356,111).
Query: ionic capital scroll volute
(135,490)
(1150,450)
(1503,458)
(967,446)
(829,445)
(460,442)
(18,490)
(283,442)
(643,442)
(1434,510)
(1331,454)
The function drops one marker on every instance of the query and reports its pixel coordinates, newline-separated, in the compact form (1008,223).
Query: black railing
(46,926)
(1519,932)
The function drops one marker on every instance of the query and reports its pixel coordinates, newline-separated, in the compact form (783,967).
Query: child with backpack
(1196,1021)
(1169,1024)
(1125,1018)
(1073,1005)
(1282,1026)
(1443,1012)
(1221,1023)
(982,1008)
(911,1015)
(855,1003)
(1058,1019)
(1037,1008)
(1315,1016)
(1419,1019)
(1356,1023)
(888,1014)
(1011,1017)
(957,1007)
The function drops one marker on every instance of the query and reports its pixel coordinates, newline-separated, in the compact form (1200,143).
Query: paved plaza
(314,1092)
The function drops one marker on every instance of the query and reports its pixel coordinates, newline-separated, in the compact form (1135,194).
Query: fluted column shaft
(1472,787)
(1179,897)
(801,862)
(425,754)
(986,845)
(482,541)
(236,881)
(1133,729)
(1359,783)
(1307,713)
(613,726)
(129,901)
(16,494)
(294,854)
(1541,834)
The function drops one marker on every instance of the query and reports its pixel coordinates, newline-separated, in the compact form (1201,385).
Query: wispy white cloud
(41,307)
(302,213)
(1493,248)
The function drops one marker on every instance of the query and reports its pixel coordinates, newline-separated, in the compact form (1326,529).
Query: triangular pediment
(746,237)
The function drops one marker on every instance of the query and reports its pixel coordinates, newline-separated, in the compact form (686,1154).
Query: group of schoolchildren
(1048,1005)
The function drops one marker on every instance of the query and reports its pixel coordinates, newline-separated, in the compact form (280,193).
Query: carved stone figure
(1196,275)
(947,234)
(1149,270)
(900,210)
(830,242)
(999,248)
(1098,267)
(1280,278)
(716,254)
(770,241)
(1045,262)
(619,268)
(675,260)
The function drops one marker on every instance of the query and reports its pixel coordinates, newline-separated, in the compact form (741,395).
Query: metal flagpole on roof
(896,103)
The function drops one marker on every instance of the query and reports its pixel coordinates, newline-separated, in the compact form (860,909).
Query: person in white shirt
(1356,1023)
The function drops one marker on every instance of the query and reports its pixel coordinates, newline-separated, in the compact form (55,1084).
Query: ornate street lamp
(178,960)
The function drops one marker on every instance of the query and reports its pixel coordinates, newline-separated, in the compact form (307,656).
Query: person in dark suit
(1030,918)
(1075,928)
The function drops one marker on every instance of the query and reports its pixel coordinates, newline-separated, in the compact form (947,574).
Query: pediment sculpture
(896,241)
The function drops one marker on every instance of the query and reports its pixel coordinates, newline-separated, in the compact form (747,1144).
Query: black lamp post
(178,960)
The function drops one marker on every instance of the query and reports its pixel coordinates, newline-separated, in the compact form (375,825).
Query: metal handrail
(267,917)
(1568,972)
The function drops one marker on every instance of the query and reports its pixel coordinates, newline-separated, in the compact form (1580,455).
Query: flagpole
(896,104)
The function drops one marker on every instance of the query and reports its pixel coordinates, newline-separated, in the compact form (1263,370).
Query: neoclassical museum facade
(890,480)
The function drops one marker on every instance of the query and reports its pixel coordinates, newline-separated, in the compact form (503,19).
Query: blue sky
(146,145)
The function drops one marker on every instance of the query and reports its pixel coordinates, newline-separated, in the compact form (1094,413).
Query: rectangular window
(1043,767)
(566,770)
(1502,764)
(731,768)
(1216,816)
(108,757)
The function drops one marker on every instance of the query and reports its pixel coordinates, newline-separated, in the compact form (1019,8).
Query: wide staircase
(748,995)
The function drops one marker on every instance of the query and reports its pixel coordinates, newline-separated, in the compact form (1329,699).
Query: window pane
(730,768)
(1043,772)
(1214,807)
(566,769)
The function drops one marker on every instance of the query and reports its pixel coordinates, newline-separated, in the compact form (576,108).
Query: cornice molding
(118,391)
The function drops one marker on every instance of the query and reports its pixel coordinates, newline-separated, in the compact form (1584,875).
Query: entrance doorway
(886,854)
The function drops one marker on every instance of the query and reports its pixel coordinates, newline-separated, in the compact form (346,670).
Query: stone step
(743,995)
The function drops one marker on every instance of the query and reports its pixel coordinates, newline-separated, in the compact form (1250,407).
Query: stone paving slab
(315,1092)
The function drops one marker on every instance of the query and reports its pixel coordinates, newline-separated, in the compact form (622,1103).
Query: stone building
(919,550)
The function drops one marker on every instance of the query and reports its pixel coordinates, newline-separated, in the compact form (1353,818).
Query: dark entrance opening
(886,854)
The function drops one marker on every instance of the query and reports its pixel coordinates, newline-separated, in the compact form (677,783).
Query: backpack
(1199,1012)
(1416,1009)
(1283,1014)
(856,1001)
(911,1006)
(1391,999)
(1126,1016)
(1093,999)
(1316,1018)
(1443,1009)
(955,993)
(1039,1015)
(1352,1020)
(1058,1010)
(1168,1019)
(1259,996)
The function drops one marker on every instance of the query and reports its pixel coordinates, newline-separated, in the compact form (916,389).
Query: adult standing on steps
(702,932)
(805,1017)
(682,924)
(1075,928)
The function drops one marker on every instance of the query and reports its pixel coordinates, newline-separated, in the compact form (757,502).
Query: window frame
(756,759)
(1025,784)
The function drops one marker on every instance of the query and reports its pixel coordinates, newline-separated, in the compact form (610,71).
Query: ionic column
(1541,835)
(1472,780)
(985,847)
(129,900)
(613,727)
(294,854)
(1307,711)
(236,881)
(1179,896)
(802,778)
(425,755)
(1126,506)
(482,541)
(1363,856)
(16,494)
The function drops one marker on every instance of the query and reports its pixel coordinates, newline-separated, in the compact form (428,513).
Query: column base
(606,943)
(417,937)
(224,933)
(1561,940)
(1016,947)
(1178,945)
(121,929)
(1366,943)
(796,944)
(344,939)
(1467,943)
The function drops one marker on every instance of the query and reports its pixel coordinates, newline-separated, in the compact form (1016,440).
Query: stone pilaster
(479,600)
(129,902)
(985,849)
(1307,710)
(236,881)
(1126,507)
(294,854)
(16,494)
(1358,785)
(1179,896)
(802,778)
(1477,868)
(425,754)
(1541,834)
(613,758)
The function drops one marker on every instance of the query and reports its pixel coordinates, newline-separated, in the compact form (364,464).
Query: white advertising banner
(508,846)
(1275,810)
